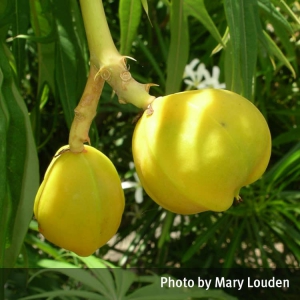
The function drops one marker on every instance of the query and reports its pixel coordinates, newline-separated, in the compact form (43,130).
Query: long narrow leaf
(234,244)
(130,12)
(153,61)
(145,6)
(197,9)
(283,165)
(85,278)
(4,123)
(284,6)
(232,11)
(275,50)
(179,47)
(20,25)
(248,46)
(203,238)
(273,13)
(22,163)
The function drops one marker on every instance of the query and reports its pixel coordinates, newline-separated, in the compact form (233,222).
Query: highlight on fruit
(80,202)
(197,149)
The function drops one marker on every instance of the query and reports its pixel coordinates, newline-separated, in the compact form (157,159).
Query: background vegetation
(43,70)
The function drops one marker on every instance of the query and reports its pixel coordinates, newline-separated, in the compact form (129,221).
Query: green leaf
(286,43)
(20,26)
(204,238)
(284,7)
(232,12)
(4,123)
(70,71)
(179,47)
(248,47)
(279,170)
(43,27)
(53,264)
(242,20)
(156,292)
(6,15)
(234,244)
(271,11)
(197,9)
(225,39)
(130,12)
(282,27)
(70,293)
(153,61)
(275,50)
(22,164)
(123,279)
(259,242)
(85,278)
(44,246)
(287,137)
(281,231)
(145,6)
(102,273)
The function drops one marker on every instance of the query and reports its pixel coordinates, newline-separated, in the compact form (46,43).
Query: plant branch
(101,45)
(85,111)
(106,64)
(105,56)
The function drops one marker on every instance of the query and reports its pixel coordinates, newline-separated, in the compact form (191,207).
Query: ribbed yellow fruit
(80,202)
(198,148)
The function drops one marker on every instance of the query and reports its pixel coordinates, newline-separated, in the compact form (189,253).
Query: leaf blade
(179,47)
(197,9)
(130,12)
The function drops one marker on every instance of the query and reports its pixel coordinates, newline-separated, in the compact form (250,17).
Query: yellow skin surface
(198,148)
(80,203)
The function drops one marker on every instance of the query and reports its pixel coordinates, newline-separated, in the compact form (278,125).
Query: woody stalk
(106,65)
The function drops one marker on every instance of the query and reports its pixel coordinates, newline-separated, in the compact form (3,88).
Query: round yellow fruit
(80,203)
(196,149)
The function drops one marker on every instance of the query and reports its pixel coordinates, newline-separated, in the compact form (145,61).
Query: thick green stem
(101,45)
(106,64)
(104,55)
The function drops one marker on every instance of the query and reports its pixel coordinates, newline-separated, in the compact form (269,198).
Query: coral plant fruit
(194,150)
(80,202)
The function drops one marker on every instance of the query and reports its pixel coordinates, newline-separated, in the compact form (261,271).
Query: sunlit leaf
(145,6)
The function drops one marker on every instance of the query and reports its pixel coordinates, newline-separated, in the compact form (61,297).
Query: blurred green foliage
(44,64)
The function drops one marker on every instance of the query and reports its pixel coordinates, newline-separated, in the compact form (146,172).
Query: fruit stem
(85,111)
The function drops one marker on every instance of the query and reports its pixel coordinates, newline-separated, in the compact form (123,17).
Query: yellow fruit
(198,148)
(80,203)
